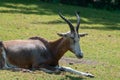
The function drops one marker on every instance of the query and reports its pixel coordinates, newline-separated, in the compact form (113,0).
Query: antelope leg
(49,69)
(18,69)
(68,69)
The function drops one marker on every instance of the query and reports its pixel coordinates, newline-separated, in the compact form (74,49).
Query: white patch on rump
(7,65)
(5,58)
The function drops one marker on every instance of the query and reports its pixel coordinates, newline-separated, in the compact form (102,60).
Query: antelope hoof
(90,75)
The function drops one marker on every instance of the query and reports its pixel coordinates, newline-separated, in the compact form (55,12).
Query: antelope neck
(59,47)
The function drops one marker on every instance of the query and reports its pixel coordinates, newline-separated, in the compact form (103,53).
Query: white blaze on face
(77,49)
(75,46)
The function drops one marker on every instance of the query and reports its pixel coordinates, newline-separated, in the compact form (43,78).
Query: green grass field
(21,19)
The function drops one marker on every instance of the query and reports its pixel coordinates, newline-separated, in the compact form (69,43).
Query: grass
(21,19)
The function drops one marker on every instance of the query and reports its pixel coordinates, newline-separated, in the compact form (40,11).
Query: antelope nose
(80,55)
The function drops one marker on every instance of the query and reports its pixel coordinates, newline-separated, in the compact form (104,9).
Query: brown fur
(25,58)
(57,48)
(18,55)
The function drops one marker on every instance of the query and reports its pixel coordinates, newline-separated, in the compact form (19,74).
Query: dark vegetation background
(99,4)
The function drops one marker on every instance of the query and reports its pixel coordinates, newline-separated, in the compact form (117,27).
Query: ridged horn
(68,22)
(78,21)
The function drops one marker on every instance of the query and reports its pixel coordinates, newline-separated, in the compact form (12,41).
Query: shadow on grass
(39,8)
(105,26)
(110,21)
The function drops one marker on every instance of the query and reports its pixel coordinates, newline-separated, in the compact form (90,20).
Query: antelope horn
(68,22)
(78,21)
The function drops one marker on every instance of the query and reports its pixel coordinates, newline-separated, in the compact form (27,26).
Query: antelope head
(74,36)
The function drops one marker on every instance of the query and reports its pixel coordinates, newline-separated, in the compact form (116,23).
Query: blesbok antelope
(38,53)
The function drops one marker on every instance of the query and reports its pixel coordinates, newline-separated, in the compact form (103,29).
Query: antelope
(36,53)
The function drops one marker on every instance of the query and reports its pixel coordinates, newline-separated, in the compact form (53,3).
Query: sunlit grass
(19,20)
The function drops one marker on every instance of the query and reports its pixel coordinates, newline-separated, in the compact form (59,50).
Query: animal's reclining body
(38,53)
(26,53)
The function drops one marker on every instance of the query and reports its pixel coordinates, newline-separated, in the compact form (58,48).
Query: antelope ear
(61,34)
(82,34)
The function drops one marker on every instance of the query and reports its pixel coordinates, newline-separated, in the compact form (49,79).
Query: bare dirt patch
(77,61)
